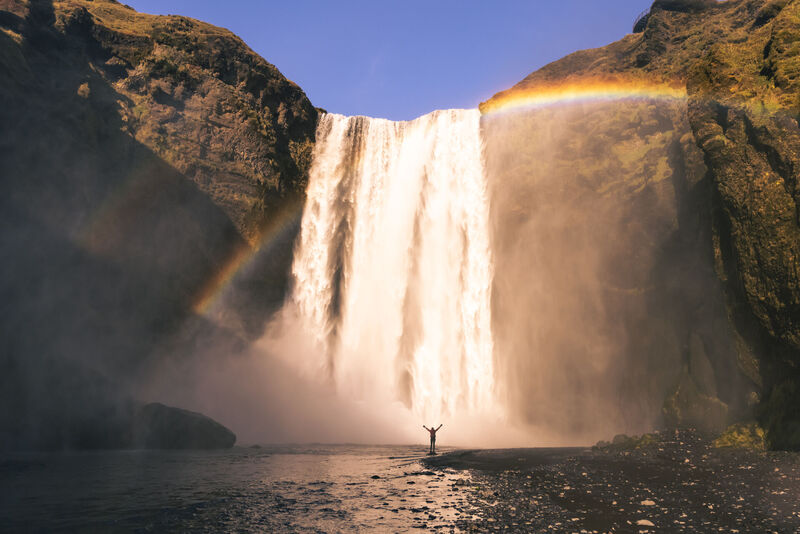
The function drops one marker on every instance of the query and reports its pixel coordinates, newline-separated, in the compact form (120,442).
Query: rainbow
(513,100)
(132,195)
(211,291)
(541,96)
(580,91)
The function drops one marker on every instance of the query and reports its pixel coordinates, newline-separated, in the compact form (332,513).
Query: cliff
(731,210)
(139,155)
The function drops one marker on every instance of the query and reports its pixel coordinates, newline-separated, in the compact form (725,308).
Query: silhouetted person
(433,437)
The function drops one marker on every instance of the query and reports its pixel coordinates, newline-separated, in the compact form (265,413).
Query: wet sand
(679,484)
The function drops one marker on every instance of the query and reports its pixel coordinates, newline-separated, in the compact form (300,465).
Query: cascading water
(393,269)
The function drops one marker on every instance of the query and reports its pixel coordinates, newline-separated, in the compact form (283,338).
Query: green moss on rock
(748,436)
(625,442)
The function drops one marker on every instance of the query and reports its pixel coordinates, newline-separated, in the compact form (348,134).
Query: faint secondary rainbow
(581,91)
(136,191)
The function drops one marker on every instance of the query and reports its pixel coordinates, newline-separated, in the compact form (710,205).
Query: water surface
(312,488)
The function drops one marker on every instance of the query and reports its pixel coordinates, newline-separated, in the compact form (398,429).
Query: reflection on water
(324,488)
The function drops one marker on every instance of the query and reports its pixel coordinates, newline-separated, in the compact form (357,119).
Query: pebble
(587,490)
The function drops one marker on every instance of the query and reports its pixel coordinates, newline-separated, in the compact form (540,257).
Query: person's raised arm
(440,426)
(425,427)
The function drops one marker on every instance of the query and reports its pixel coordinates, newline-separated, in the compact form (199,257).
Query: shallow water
(275,488)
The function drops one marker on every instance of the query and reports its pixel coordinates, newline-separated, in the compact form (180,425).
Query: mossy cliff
(139,154)
(735,211)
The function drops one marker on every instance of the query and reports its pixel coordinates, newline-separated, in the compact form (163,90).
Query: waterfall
(393,268)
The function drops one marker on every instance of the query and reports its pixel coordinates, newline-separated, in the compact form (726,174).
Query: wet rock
(688,406)
(700,368)
(621,439)
(156,426)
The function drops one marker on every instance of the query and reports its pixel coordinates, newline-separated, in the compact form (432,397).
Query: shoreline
(678,483)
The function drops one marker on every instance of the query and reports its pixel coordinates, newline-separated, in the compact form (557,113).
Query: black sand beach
(679,484)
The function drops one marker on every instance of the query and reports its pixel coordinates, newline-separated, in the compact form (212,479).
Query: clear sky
(401,59)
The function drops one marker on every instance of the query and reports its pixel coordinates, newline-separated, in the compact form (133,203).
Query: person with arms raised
(433,437)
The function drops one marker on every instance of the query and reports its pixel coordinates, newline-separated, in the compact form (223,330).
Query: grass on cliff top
(125,19)
(174,30)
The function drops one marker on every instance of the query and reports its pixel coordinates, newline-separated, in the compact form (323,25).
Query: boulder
(748,436)
(156,426)
(625,442)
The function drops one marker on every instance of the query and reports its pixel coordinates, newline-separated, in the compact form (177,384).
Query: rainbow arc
(579,92)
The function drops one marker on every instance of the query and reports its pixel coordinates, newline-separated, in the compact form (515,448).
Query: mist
(265,397)
(604,290)
(603,300)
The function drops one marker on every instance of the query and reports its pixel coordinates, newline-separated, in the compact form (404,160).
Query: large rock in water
(156,426)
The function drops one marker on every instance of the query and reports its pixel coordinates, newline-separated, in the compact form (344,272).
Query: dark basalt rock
(156,426)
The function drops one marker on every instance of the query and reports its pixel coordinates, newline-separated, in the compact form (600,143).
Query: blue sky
(399,60)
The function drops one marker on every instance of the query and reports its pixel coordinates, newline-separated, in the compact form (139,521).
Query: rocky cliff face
(739,63)
(138,155)
(192,93)
(744,108)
